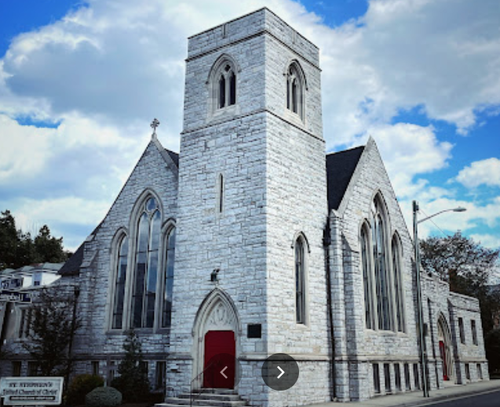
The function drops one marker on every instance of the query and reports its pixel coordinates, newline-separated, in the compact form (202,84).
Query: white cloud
(487,240)
(484,172)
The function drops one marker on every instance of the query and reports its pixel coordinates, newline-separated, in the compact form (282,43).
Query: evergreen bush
(80,386)
(103,397)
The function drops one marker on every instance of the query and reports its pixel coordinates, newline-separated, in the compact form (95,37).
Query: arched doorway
(216,331)
(445,349)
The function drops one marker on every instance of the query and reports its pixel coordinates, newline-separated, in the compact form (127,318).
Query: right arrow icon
(282,372)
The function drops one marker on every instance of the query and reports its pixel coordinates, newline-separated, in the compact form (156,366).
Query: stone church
(252,241)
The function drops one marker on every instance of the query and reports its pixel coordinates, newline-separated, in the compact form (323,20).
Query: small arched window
(300,280)
(398,283)
(295,85)
(146,266)
(226,86)
(121,276)
(169,278)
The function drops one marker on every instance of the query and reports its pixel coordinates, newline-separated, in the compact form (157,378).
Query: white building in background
(252,241)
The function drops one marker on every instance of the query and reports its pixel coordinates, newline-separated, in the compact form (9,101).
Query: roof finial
(154,124)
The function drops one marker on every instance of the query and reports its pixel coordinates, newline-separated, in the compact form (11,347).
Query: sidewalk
(415,398)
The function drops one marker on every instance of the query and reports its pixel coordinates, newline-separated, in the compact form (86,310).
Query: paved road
(491,399)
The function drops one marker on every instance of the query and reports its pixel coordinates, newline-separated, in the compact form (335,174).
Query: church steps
(206,398)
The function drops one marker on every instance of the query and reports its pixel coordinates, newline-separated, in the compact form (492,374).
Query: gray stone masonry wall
(365,346)
(95,340)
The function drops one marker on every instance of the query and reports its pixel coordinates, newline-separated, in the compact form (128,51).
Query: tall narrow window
(367,279)
(146,266)
(461,330)
(226,86)
(474,331)
(300,302)
(381,275)
(398,284)
(295,89)
(376,378)
(169,278)
(121,274)
(220,193)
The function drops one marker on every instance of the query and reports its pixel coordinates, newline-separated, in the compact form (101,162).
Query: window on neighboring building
(160,375)
(474,331)
(300,294)
(16,368)
(398,283)
(121,275)
(146,266)
(461,329)
(376,378)
(295,85)
(169,278)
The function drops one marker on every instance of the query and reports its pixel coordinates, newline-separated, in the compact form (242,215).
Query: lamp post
(423,352)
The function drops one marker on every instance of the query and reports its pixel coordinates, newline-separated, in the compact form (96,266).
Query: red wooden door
(220,351)
(442,351)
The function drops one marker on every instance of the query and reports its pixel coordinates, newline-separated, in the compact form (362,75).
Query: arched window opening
(121,276)
(146,266)
(398,284)
(380,269)
(227,87)
(367,279)
(295,90)
(300,299)
(169,278)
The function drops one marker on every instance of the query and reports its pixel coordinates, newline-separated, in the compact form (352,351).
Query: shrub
(80,386)
(103,397)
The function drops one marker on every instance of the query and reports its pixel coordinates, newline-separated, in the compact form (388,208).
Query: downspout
(327,241)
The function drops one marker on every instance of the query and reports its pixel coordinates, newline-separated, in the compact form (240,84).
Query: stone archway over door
(216,332)
(445,349)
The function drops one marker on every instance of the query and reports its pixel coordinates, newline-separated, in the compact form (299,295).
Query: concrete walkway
(416,398)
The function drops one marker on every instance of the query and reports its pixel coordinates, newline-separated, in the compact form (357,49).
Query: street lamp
(423,353)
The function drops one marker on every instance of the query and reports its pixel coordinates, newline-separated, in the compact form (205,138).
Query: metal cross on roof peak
(154,124)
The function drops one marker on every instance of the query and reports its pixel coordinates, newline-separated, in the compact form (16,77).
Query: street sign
(31,391)
(14,296)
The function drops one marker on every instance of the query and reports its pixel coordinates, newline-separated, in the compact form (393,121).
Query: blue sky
(80,82)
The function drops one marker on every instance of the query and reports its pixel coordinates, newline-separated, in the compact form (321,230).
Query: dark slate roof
(174,157)
(339,169)
(72,266)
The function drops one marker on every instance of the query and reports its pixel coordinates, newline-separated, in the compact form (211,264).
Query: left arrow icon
(222,372)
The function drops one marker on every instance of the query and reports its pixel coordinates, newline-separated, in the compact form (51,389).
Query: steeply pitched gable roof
(339,170)
(72,266)
(173,156)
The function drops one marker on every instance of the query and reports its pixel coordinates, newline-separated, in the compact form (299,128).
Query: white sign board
(31,390)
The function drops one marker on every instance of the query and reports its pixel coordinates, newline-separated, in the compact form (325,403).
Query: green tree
(133,381)
(492,345)
(19,249)
(52,327)
(467,266)
(9,241)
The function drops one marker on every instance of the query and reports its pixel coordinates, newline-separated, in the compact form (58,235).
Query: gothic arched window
(146,266)
(295,85)
(300,280)
(121,277)
(226,86)
(398,283)
(367,277)
(379,247)
(169,278)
